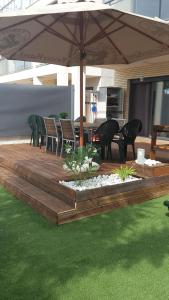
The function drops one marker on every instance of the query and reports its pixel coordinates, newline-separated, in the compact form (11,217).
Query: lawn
(122,255)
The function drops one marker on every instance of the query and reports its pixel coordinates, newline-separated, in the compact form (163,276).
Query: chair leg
(125,151)
(46,143)
(61,151)
(109,151)
(134,153)
(31,139)
(74,146)
(122,152)
(41,141)
(102,152)
(52,143)
(57,141)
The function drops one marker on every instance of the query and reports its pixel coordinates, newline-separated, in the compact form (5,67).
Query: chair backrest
(54,116)
(50,125)
(131,129)
(67,129)
(78,119)
(107,130)
(32,121)
(41,125)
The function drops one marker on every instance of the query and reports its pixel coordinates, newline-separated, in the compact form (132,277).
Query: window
(164,10)
(147,8)
(11,5)
(21,65)
(161,115)
(153,8)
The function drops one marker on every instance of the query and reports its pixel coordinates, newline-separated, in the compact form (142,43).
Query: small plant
(79,161)
(124,172)
(63,115)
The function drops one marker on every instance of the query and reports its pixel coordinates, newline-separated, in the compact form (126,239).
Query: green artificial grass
(122,255)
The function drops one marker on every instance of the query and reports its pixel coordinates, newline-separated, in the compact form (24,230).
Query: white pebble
(95,182)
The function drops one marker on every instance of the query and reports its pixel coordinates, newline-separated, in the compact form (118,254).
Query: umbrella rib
(108,38)
(103,35)
(71,47)
(19,23)
(71,33)
(85,27)
(57,34)
(115,30)
(21,48)
(136,29)
(99,35)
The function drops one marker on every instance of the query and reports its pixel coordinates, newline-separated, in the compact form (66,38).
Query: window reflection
(9,5)
(161,108)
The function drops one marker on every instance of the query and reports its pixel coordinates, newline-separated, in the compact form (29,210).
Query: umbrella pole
(82,57)
(81,101)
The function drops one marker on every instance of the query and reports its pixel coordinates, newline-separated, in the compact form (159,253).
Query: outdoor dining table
(89,128)
(86,125)
(154,147)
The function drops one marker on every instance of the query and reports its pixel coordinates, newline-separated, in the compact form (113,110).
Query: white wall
(126,5)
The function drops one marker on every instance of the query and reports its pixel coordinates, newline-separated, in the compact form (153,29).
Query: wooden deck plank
(32,175)
(44,203)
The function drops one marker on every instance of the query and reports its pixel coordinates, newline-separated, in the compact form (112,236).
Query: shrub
(124,172)
(63,115)
(79,161)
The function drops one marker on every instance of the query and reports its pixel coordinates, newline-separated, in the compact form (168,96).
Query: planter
(97,200)
(151,171)
(103,191)
(147,188)
(97,182)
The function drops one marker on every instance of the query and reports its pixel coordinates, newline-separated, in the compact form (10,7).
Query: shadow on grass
(37,259)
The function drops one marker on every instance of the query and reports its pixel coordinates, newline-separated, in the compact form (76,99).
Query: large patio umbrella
(81,34)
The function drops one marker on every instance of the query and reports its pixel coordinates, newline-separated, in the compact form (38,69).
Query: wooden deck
(33,176)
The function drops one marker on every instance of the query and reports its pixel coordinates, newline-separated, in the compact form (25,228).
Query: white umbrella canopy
(81,33)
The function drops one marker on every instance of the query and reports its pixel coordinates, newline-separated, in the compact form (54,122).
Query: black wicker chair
(38,131)
(104,135)
(128,134)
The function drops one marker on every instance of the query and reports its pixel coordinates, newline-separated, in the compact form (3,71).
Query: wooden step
(39,177)
(46,204)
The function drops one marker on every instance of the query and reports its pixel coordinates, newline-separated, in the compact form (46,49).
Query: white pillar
(62,76)
(107,77)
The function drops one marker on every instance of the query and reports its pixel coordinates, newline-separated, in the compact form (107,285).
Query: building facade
(146,84)
(22,72)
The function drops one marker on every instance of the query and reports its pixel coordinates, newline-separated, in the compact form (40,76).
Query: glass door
(161,105)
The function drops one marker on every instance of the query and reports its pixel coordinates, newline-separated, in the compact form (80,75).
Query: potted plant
(80,161)
(63,115)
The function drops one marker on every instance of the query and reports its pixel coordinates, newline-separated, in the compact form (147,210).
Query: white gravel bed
(150,162)
(96,182)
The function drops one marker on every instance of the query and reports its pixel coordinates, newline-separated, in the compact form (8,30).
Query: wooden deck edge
(125,200)
(39,207)
(48,186)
